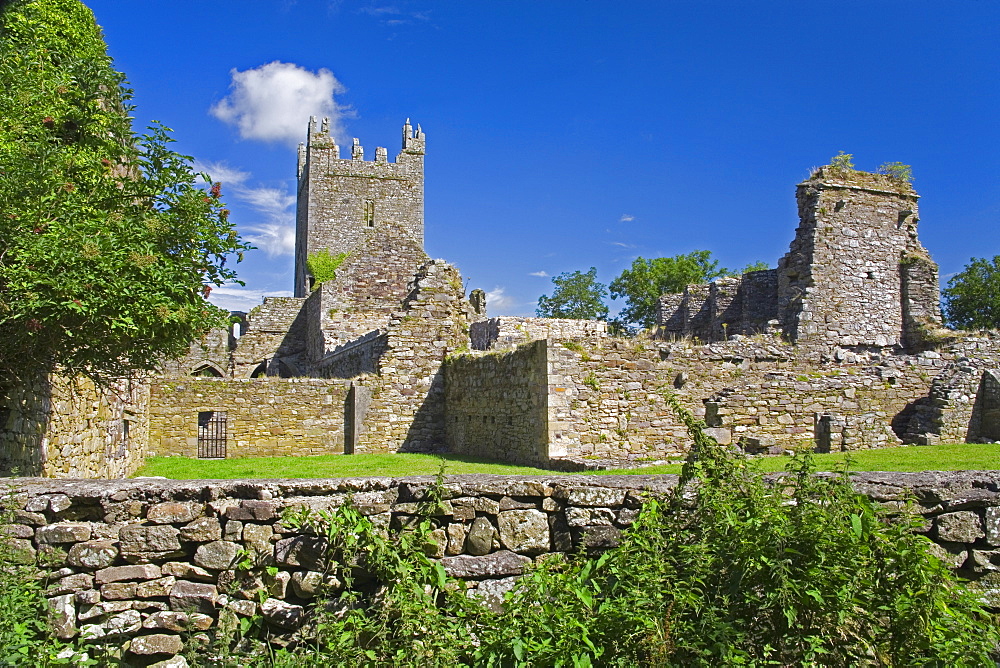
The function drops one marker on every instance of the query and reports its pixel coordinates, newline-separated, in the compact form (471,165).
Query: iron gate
(212,435)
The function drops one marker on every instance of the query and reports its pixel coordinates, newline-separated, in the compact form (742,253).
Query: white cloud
(540,274)
(626,218)
(221,172)
(623,244)
(233,297)
(275,234)
(274,230)
(273,102)
(497,300)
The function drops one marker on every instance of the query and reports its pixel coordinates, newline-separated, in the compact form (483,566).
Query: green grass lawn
(964,456)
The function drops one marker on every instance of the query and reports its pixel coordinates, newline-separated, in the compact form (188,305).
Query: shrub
(323,265)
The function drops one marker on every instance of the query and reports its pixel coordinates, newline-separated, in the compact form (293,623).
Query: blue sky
(565,135)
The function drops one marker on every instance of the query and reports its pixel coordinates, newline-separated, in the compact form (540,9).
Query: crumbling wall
(840,282)
(407,409)
(274,330)
(264,417)
(136,562)
(68,427)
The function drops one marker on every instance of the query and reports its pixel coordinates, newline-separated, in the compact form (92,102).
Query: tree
(576,295)
(108,246)
(972,298)
(642,284)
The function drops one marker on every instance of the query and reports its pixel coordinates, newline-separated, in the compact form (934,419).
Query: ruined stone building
(840,345)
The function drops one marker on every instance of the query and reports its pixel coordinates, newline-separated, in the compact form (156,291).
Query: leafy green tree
(108,246)
(576,295)
(642,284)
(972,298)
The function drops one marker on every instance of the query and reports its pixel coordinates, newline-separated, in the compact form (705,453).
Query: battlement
(319,138)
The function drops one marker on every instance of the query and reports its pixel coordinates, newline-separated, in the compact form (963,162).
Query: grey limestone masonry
(147,564)
(340,199)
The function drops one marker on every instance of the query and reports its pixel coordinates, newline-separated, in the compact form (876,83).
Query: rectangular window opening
(370,213)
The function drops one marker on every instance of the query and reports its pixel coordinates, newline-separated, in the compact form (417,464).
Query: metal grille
(212,434)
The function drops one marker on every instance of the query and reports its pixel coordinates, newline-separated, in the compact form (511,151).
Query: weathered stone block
(174,512)
(253,511)
(156,643)
(120,573)
(992,525)
(183,571)
(93,554)
(491,592)
(524,531)
(497,565)
(218,555)
(160,538)
(282,614)
(124,623)
(591,496)
(71,584)
(67,532)
(201,530)
(188,596)
(309,552)
(581,517)
(118,591)
(62,616)
(155,588)
(964,526)
(479,540)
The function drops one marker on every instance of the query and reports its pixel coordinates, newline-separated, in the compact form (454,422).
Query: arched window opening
(260,371)
(207,371)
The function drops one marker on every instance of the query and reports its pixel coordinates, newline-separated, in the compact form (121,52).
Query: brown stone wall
(509,331)
(64,427)
(265,417)
(840,282)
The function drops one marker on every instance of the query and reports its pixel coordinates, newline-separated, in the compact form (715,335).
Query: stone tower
(342,201)
(856,274)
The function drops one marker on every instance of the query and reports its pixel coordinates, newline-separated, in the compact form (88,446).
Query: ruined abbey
(841,345)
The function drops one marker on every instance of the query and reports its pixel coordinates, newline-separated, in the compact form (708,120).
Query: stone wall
(275,330)
(135,562)
(497,405)
(264,417)
(63,427)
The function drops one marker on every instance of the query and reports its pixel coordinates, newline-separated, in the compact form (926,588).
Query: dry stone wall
(263,417)
(145,564)
(64,427)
